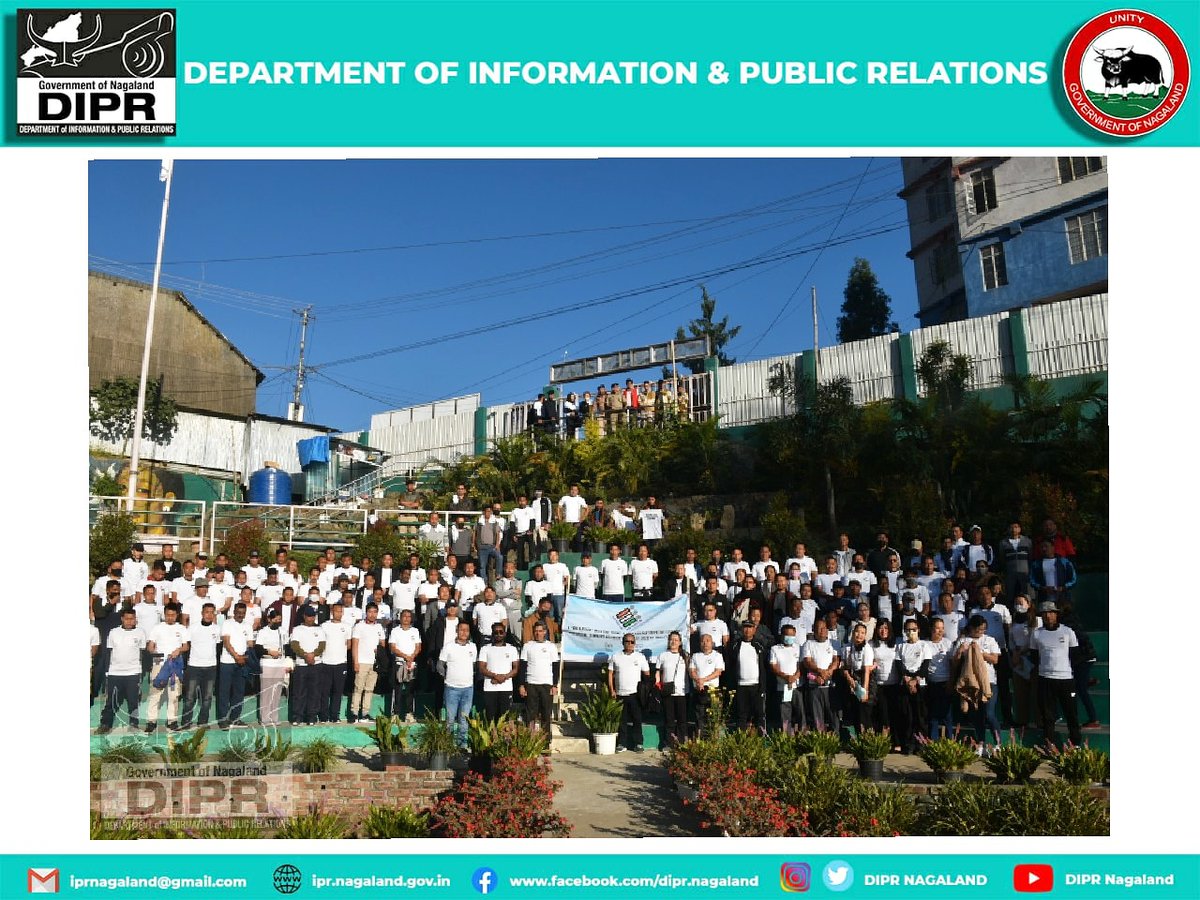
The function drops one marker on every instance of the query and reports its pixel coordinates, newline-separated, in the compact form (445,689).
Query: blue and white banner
(592,629)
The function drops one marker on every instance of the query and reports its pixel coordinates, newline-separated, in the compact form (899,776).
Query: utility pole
(135,452)
(816,354)
(295,410)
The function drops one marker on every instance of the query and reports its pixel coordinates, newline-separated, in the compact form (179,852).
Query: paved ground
(627,795)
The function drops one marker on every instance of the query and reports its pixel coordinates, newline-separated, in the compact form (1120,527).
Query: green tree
(114,405)
(718,333)
(110,539)
(866,309)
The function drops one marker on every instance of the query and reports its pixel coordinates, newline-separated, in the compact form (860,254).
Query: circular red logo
(1126,72)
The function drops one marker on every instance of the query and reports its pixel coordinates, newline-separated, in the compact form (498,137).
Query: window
(981,191)
(994,272)
(942,263)
(1087,235)
(1073,167)
(937,201)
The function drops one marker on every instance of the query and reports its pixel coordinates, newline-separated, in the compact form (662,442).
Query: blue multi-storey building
(991,234)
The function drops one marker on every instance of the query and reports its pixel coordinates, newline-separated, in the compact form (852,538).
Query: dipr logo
(96,72)
(484,880)
(795,877)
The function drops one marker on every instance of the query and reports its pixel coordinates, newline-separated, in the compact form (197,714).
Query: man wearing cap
(1052,645)
(308,643)
(255,573)
(201,564)
(200,676)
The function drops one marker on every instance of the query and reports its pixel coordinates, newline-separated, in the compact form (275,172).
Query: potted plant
(1013,763)
(561,535)
(870,747)
(1078,764)
(435,741)
(946,756)
(601,712)
(824,744)
(601,538)
(390,735)
(482,737)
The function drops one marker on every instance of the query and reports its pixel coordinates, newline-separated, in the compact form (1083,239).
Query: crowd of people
(611,408)
(974,635)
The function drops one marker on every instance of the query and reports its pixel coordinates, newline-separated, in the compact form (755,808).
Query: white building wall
(872,367)
(1068,338)
(742,394)
(985,339)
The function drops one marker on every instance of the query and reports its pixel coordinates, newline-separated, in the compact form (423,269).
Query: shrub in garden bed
(1078,764)
(1013,763)
(516,801)
(395,822)
(1044,808)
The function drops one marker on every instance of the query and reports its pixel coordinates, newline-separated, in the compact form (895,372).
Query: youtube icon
(1033,878)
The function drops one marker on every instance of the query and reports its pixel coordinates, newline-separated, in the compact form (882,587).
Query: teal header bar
(624,74)
(619,874)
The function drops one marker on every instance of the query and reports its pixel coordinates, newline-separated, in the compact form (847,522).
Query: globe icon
(287,879)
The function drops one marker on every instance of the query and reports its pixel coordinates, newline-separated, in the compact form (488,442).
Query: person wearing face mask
(270,643)
(887,680)
(858,665)
(867,580)
(908,613)
(881,555)
(1024,673)
(785,663)
(913,658)
(820,660)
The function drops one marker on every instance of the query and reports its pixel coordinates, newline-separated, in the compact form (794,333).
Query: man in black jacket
(747,673)
(877,559)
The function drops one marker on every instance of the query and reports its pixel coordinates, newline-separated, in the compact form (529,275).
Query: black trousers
(1055,694)
(333,680)
(821,715)
(199,682)
(884,715)
(122,689)
(539,706)
(1004,690)
(404,696)
(302,695)
(911,719)
(630,735)
(495,703)
(750,706)
(675,717)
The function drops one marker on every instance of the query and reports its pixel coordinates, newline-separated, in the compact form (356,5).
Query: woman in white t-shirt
(984,714)
(887,680)
(671,675)
(858,666)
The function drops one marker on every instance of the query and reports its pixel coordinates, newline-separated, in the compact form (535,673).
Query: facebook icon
(484,880)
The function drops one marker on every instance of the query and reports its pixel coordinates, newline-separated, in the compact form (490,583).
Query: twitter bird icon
(838,875)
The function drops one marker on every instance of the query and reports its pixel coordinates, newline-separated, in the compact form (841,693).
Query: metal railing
(158,520)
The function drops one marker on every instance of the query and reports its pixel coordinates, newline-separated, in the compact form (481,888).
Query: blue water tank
(271,487)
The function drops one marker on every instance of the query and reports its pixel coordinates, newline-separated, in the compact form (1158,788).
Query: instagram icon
(794,877)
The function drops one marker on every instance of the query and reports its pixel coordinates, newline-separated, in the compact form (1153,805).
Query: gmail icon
(43,881)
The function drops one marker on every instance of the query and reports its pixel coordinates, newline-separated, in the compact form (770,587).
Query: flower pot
(562,545)
(950,777)
(439,761)
(871,769)
(598,548)
(605,744)
(626,550)
(391,757)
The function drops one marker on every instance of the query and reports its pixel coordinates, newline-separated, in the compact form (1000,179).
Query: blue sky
(410,265)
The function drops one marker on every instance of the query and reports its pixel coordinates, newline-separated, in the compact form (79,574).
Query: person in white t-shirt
(469,587)
(272,662)
(999,621)
(456,664)
(705,669)
(643,574)
(625,673)
(307,641)
(587,577)
(913,658)
(540,664)
(200,676)
(125,645)
(857,671)
(334,664)
(558,577)
(536,587)
(1052,645)
(499,663)
(148,610)
(572,507)
(820,660)
(730,569)
(168,640)
(808,566)
(137,569)
(759,569)
(939,691)
(711,626)
(487,613)
(672,679)
(236,638)
(653,522)
(256,574)
(613,572)
(403,592)
(366,638)
(984,714)
(406,647)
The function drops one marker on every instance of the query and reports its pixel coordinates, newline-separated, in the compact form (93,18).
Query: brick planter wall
(350,794)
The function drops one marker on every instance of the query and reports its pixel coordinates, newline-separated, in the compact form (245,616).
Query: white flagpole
(136,449)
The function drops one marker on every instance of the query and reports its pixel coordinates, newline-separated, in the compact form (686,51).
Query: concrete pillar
(908,368)
(480,430)
(1020,342)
